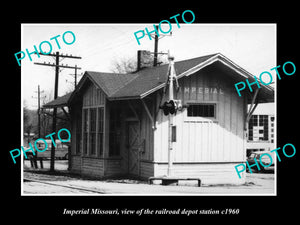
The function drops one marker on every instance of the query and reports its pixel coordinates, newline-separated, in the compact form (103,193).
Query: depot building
(118,129)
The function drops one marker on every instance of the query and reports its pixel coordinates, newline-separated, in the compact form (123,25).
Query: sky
(251,46)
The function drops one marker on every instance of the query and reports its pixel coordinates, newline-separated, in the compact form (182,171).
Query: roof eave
(209,61)
(53,106)
(218,57)
(124,98)
(81,83)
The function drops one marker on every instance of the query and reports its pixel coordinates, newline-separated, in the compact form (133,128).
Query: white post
(170,116)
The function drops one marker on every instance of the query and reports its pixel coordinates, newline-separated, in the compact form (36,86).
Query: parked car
(265,160)
(61,150)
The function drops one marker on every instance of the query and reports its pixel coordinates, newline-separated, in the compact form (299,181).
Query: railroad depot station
(118,128)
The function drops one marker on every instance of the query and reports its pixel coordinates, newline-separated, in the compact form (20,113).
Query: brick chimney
(144,59)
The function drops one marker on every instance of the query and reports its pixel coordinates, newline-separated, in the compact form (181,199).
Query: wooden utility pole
(39,110)
(155,48)
(75,76)
(34,159)
(57,66)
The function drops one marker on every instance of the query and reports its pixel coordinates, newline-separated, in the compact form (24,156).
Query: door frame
(127,124)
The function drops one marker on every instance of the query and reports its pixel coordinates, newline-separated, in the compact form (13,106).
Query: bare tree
(129,65)
(124,65)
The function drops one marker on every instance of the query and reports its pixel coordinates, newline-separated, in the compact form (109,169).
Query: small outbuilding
(118,129)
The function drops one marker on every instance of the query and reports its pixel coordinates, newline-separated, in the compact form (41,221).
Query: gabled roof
(148,80)
(152,79)
(110,83)
(135,85)
(59,102)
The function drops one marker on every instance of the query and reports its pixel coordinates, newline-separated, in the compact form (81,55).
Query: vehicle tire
(67,156)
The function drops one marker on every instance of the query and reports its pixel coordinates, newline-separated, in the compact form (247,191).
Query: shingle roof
(141,83)
(59,102)
(110,82)
(149,78)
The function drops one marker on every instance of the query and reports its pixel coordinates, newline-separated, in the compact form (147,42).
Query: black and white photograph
(150,112)
(163,117)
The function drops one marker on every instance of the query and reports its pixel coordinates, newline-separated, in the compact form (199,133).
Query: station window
(78,132)
(100,131)
(114,132)
(85,130)
(201,110)
(93,130)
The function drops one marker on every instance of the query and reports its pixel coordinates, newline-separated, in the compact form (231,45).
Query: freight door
(133,140)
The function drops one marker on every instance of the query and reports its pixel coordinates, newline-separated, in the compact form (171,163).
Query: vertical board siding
(211,173)
(93,96)
(146,138)
(204,147)
(201,139)
(73,113)
(146,146)
(89,166)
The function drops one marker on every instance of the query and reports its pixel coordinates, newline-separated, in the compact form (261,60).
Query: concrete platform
(173,180)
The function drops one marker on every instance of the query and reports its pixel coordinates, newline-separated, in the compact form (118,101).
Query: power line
(57,66)
(60,55)
(60,66)
(100,46)
(75,76)
(114,42)
(109,47)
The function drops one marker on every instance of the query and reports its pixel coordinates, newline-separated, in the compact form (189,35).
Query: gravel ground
(59,183)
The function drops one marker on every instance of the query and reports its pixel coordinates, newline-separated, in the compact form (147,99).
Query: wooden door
(133,141)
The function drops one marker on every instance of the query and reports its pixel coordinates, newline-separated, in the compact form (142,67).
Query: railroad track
(64,185)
